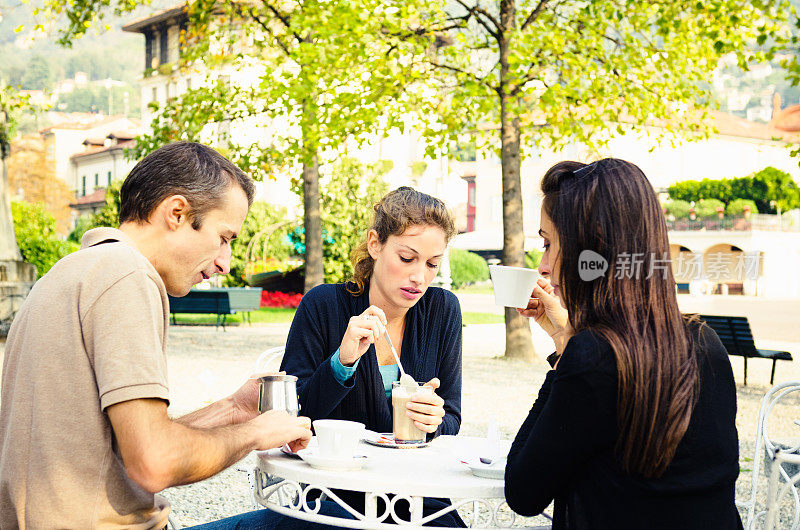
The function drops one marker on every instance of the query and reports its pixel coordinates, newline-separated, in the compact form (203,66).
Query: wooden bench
(222,302)
(736,336)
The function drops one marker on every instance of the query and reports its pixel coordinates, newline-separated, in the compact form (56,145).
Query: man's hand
(245,400)
(427,410)
(275,428)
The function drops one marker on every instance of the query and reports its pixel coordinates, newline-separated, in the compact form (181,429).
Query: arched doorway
(686,266)
(722,266)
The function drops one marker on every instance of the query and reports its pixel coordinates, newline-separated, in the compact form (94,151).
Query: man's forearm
(217,414)
(199,453)
(158,452)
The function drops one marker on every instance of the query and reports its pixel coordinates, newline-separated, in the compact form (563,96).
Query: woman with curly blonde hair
(335,347)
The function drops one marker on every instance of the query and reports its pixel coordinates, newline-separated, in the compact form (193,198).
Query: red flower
(279,299)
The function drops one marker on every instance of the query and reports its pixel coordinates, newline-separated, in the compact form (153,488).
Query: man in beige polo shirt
(85,439)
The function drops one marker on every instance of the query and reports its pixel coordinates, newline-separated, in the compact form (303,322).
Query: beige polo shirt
(90,334)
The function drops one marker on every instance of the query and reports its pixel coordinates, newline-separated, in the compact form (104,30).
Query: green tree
(548,74)
(11,106)
(109,214)
(272,245)
(771,184)
(35,230)
(762,188)
(83,224)
(330,76)
(37,74)
(350,193)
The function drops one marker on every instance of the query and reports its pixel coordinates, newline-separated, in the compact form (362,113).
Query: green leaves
(766,189)
(579,69)
(38,242)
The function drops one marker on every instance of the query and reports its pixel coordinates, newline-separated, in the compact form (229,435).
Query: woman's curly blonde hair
(398,210)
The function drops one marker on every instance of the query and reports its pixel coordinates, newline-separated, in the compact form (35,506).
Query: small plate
(386,439)
(496,470)
(288,452)
(314,459)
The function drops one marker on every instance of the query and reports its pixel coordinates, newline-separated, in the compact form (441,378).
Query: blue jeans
(269,520)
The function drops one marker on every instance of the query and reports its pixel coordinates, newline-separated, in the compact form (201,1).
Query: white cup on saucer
(338,439)
(513,285)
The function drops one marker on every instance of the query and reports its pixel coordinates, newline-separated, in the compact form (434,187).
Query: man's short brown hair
(193,170)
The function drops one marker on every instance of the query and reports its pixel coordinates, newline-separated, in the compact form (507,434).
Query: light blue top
(389,373)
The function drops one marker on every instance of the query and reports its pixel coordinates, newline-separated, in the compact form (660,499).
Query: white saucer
(314,459)
(496,470)
(386,439)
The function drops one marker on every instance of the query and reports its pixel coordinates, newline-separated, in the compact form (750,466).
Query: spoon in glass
(406,381)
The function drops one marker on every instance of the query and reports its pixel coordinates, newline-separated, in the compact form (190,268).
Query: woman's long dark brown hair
(610,208)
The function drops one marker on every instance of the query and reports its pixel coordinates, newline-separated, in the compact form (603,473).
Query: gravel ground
(206,364)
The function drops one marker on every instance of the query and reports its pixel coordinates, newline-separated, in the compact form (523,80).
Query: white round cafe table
(286,484)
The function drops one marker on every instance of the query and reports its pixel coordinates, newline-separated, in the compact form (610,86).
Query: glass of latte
(405,432)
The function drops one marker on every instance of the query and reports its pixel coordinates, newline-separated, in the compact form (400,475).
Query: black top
(431,348)
(565,449)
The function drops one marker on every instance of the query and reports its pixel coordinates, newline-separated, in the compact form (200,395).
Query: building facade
(67,139)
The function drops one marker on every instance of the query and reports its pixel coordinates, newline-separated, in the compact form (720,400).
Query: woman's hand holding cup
(426,408)
(362,330)
(546,309)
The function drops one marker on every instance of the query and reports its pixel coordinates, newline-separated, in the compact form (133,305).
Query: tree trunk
(312,224)
(8,241)
(519,342)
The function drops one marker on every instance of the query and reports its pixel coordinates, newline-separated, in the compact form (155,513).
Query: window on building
(188,83)
(154,61)
(155,94)
(83,186)
(109,178)
(96,179)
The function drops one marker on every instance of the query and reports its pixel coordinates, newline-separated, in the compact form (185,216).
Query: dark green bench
(736,336)
(221,301)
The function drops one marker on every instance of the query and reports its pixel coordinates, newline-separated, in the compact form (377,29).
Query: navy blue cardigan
(431,348)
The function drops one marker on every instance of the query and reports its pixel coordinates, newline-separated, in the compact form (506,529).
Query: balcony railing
(765,222)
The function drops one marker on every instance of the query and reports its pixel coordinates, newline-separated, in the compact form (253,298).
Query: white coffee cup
(513,285)
(338,438)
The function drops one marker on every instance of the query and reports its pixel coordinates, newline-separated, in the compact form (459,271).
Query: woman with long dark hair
(635,425)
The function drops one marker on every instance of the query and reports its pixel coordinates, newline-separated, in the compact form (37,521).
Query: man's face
(195,255)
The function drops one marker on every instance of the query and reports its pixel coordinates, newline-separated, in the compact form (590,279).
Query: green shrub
(708,207)
(82,225)
(736,207)
(348,197)
(678,208)
(260,217)
(466,268)
(533,258)
(35,229)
